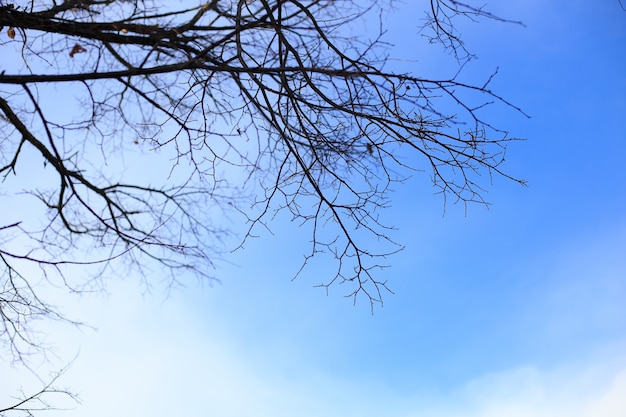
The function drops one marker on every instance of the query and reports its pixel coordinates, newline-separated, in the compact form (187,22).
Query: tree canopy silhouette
(130,128)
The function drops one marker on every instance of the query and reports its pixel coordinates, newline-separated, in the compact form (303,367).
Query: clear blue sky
(518,310)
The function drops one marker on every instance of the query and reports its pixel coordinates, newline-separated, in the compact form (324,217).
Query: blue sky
(513,311)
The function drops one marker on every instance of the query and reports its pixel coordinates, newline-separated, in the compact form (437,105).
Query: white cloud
(161,359)
(611,403)
(586,390)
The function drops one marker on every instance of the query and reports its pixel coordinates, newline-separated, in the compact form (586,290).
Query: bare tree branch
(236,107)
(48,398)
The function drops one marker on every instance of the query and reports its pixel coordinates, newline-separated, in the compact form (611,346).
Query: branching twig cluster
(50,397)
(224,98)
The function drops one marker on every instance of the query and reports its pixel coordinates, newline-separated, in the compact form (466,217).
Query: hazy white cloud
(586,390)
(160,358)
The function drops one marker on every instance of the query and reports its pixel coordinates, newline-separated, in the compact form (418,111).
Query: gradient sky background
(514,311)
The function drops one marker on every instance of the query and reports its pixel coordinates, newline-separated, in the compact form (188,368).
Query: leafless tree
(251,106)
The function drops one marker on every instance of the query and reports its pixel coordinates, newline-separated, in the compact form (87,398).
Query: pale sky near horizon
(518,310)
